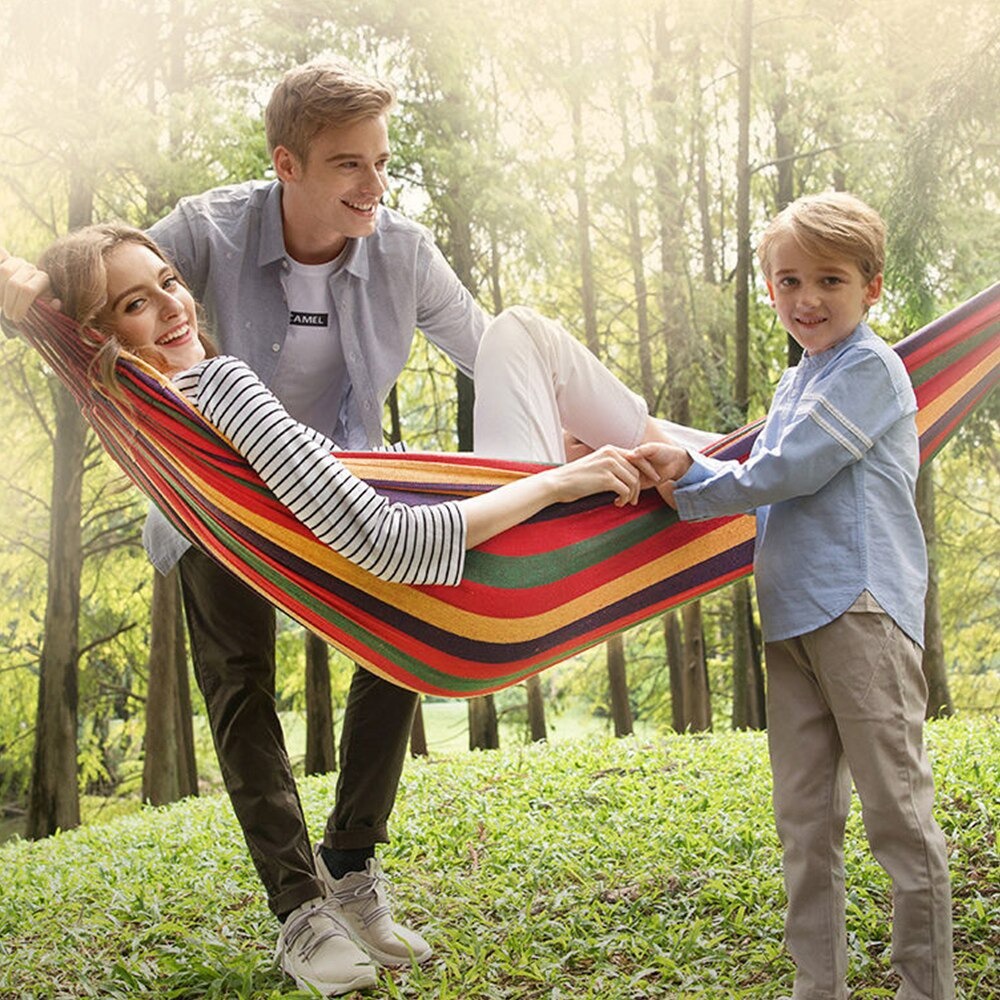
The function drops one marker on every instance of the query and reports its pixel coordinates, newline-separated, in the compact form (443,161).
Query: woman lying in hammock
(532,381)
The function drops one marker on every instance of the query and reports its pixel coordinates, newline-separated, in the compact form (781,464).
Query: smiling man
(319,288)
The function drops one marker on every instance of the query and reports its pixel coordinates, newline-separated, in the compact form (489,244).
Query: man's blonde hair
(834,224)
(321,95)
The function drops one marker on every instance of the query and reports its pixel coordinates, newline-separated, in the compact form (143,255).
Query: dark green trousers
(232,646)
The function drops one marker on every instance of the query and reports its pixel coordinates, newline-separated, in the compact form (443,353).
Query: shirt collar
(860,332)
(355,258)
(272,240)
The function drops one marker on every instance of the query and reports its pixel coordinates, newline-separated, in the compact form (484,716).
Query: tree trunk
(784,165)
(697,695)
(690,695)
(741,389)
(321,757)
(168,770)
(588,295)
(747,673)
(536,709)
(640,287)
(621,709)
(691,708)
(674,641)
(939,701)
(53,798)
(748,686)
(484,730)
(617,681)
(418,734)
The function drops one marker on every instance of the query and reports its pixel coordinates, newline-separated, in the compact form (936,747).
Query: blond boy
(840,570)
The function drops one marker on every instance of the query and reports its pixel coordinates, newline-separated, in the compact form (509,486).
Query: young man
(840,571)
(319,289)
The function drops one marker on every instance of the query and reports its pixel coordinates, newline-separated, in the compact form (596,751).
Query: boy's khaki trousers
(848,700)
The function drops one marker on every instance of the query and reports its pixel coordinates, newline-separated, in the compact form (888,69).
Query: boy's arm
(835,423)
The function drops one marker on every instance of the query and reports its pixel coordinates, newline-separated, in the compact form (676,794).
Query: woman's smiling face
(149,310)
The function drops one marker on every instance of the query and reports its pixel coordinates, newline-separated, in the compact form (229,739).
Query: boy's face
(820,300)
(334,193)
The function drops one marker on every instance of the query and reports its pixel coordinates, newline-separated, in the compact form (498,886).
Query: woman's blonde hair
(77,268)
(318,96)
(834,224)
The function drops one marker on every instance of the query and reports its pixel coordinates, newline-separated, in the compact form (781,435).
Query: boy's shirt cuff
(686,493)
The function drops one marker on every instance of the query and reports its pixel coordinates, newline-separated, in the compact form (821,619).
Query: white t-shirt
(311,378)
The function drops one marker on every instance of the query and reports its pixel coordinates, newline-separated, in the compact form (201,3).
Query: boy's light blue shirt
(832,479)
(229,245)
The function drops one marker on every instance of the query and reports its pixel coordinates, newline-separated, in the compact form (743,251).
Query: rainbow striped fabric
(532,596)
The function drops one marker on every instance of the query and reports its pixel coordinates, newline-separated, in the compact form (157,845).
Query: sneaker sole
(362,981)
(388,960)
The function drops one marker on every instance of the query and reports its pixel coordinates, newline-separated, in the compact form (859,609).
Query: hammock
(534,595)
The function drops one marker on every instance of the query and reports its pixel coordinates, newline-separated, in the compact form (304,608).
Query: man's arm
(447,314)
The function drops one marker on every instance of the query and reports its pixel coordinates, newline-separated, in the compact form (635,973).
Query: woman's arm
(20,284)
(607,470)
(393,541)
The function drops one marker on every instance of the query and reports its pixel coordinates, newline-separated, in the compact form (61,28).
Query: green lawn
(617,870)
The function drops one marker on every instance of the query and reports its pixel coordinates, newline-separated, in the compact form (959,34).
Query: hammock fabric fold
(534,595)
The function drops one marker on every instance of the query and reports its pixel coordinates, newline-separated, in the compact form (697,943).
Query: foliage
(616,870)
(145,102)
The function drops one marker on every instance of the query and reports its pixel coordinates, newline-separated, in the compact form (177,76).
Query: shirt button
(276,348)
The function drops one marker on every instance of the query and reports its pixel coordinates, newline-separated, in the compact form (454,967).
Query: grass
(596,870)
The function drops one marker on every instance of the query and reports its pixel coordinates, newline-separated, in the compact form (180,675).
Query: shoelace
(302,924)
(373,885)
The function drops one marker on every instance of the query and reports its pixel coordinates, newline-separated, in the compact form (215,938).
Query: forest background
(608,164)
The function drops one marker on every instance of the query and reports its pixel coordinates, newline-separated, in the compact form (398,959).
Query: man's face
(819,300)
(334,193)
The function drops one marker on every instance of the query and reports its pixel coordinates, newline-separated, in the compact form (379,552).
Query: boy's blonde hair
(834,224)
(321,95)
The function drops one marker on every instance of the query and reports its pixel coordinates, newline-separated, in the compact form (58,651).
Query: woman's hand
(20,284)
(607,470)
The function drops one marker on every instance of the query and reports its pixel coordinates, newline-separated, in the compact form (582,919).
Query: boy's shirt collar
(861,332)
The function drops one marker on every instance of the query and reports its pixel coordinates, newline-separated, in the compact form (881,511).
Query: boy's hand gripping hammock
(534,595)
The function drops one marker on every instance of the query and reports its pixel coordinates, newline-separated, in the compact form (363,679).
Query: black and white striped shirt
(393,541)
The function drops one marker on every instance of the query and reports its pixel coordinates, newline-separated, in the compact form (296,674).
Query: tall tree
(748,705)
(321,756)
(169,768)
(690,700)
(54,801)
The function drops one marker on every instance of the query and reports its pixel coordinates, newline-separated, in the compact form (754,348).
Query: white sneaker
(360,902)
(317,951)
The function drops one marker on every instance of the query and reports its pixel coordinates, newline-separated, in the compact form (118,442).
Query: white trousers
(534,381)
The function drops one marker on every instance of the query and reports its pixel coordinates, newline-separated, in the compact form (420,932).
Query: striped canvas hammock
(532,596)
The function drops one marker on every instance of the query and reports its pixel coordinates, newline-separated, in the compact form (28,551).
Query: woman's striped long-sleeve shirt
(393,541)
